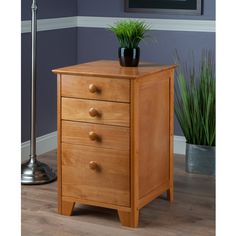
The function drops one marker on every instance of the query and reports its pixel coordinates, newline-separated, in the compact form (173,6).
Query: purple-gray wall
(49,9)
(115,8)
(94,43)
(76,45)
(55,48)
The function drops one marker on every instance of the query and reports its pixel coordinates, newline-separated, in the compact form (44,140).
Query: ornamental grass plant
(130,32)
(195,101)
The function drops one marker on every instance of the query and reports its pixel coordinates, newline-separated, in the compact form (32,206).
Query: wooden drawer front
(95,88)
(110,113)
(95,135)
(109,182)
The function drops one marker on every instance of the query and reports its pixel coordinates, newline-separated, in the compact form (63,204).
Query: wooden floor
(192,213)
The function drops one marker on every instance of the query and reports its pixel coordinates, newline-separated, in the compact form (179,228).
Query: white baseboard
(179,145)
(48,142)
(45,143)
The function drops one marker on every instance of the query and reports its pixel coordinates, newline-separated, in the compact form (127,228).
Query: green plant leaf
(130,32)
(195,102)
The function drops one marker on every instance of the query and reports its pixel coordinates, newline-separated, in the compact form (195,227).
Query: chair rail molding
(104,22)
(50,24)
(156,24)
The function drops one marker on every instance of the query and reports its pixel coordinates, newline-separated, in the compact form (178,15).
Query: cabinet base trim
(153,194)
(94,203)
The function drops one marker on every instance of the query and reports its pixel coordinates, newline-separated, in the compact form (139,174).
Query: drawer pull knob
(93,88)
(93,112)
(93,165)
(93,136)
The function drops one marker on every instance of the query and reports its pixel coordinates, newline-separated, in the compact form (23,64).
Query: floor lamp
(34,171)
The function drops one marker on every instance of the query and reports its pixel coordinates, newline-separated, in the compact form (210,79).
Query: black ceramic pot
(129,56)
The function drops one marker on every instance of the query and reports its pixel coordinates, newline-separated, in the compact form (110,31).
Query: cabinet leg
(129,219)
(67,208)
(170,194)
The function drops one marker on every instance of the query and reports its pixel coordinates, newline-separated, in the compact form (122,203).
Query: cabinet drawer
(111,113)
(95,135)
(96,174)
(95,88)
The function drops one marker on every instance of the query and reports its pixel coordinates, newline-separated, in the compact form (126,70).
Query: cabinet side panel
(59,142)
(172,131)
(154,133)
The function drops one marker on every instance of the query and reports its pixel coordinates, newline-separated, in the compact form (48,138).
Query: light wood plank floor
(191,214)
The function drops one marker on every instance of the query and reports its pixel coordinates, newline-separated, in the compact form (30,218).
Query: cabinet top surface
(107,68)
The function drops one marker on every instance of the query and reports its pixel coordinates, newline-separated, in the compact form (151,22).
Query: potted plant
(129,34)
(195,111)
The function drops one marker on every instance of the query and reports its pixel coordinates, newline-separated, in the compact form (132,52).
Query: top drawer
(95,88)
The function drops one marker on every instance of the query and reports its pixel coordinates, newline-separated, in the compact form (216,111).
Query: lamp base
(36,172)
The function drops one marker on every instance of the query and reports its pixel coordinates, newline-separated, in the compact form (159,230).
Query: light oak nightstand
(115,136)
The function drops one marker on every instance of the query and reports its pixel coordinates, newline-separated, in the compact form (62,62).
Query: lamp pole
(33,82)
(34,171)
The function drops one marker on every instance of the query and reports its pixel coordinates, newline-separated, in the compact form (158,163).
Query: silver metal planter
(200,159)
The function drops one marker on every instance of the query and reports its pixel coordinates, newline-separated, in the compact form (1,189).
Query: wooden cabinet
(115,136)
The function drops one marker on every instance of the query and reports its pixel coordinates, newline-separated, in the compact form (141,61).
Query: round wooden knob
(93,112)
(93,165)
(93,136)
(92,88)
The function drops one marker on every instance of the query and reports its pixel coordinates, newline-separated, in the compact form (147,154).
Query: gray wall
(94,43)
(49,8)
(76,45)
(55,48)
(115,8)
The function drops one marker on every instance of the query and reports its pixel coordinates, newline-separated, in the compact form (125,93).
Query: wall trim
(156,24)
(104,22)
(45,143)
(50,24)
(179,145)
(48,142)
